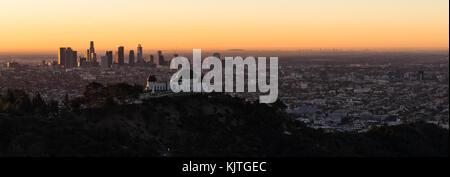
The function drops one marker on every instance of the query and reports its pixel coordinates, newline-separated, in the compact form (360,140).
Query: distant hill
(195,125)
(236,50)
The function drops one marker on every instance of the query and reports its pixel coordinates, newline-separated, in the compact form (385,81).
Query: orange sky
(45,25)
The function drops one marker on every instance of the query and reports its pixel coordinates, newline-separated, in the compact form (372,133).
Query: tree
(53,108)
(39,105)
(123,91)
(279,105)
(95,94)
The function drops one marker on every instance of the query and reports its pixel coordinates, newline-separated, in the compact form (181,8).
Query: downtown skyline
(40,27)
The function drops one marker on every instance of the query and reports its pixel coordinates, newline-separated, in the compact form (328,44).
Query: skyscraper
(70,58)
(62,56)
(88,55)
(151,59)
(109,55)
(91,48)
(131,57)
(120,56)
(140,55)
(82,62)
(92,54)
(159,59)
(74,62)
(69,55)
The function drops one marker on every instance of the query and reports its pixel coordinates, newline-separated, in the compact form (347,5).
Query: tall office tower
(109,55)
(159,59)
(94,57)
(120,56)
(91,48)
(88,55)
(82,62)
(140,55)
(151,59)
(74,59)
(92,54)
(104,62)
(62,56)
(131,57)
(70,58)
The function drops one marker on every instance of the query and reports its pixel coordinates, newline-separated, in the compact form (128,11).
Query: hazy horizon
(101,52)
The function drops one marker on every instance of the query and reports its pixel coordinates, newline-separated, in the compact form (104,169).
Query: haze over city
(30,26)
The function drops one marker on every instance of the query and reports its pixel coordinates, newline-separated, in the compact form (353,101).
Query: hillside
(194,125)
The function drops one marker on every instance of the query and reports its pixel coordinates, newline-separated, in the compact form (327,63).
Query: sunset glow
(45,25)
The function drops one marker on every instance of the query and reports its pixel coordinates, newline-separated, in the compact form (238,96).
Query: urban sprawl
(326,89)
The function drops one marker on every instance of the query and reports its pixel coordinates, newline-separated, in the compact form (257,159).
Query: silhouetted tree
(39,105)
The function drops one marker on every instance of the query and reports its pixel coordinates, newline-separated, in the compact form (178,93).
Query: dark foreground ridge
(214,125)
